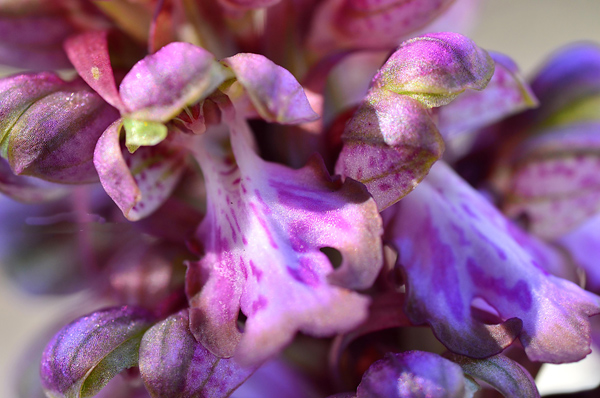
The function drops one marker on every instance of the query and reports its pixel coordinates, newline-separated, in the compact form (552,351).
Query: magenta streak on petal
(279,289)
(494,267)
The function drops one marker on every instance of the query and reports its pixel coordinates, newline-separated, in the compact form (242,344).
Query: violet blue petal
(458,255)
(159,86)
(51,127)
(26,189)
(82,358)
(174,365)
(569,77)
(502,373)
(505,94)
(370,24)
(389,145)
(261,238)
(138,183)
(413,374)
(88,52)
(435,68)
(274,91)
(583,243)
(555,179)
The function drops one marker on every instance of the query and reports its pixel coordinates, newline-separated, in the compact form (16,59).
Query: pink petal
(88,52)
(159,86)
(389,145)
(456,248)
(139,183)
(435,68)
(261,237)
(274,91)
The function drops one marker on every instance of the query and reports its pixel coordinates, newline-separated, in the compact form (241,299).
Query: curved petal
(389,145)
(261,239)
(502,373)
(174,364)
(159,86)
(456,249)
(88,52)
(435,68)
(274,91)
(414,374)
(141,182)
(25,189)
(83,357)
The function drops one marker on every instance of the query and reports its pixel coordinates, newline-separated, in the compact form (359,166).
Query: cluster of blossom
(263,210)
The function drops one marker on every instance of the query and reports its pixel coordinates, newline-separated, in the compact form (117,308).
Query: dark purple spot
(304,273)
(256,271)
(259,304)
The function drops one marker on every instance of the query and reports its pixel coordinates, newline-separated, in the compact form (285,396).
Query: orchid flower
(212,256)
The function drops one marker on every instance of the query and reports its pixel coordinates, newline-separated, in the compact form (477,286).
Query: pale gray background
(526,30)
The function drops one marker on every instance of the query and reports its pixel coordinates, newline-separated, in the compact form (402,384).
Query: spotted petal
(174,364)
(555,179)
(261,237)
(141,182)
(389,145)
(457,252)
(435,68)
(83,357)
(274,91)
(415,374)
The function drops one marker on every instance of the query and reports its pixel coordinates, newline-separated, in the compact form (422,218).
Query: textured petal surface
(555,179)
(413,374)
(139,183)
(87,353)
(505,94)
(502,373)
(261,237)
(159,86)
(51,128)
(274,91)
(88,52)
(389,145)
(456,249)
(362,24)
(435,68)
(174,365)
(248,4)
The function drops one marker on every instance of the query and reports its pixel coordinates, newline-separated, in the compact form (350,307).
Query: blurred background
(526,30)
